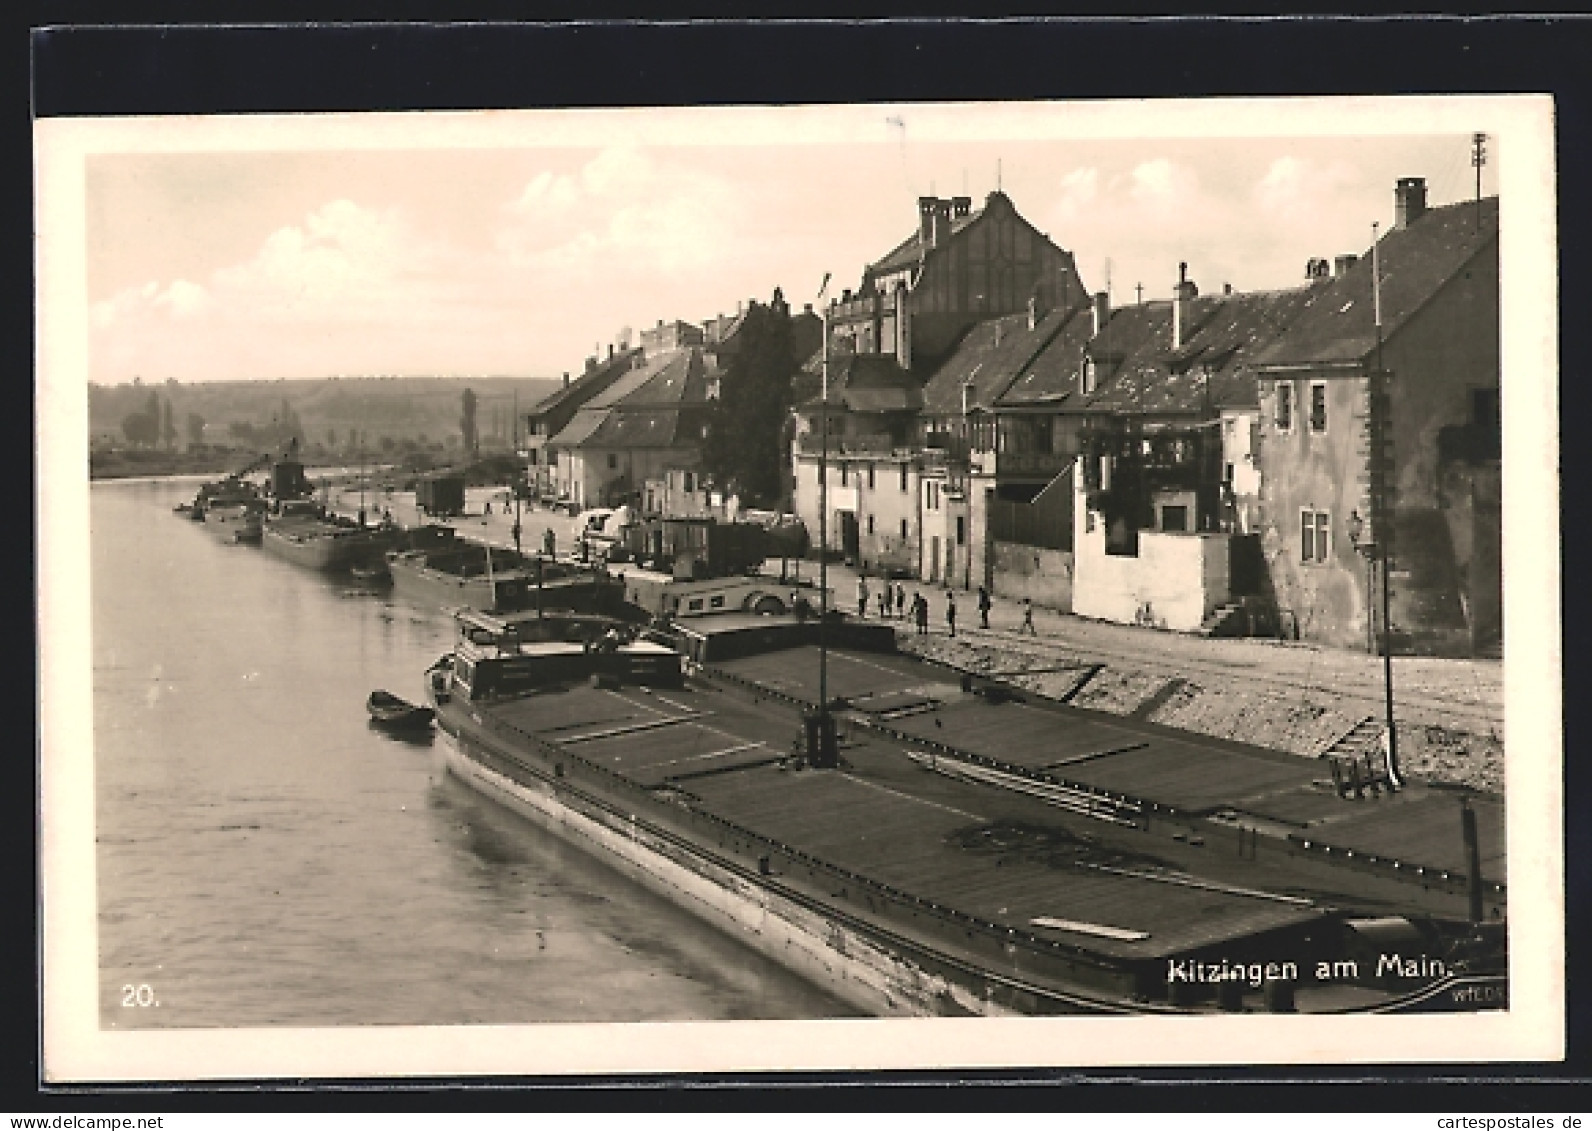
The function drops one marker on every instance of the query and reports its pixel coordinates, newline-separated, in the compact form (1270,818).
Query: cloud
(624,211)
(1163,185)
(1295,187)
(184,299)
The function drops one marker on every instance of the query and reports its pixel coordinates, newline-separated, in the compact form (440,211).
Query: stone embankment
(1305,723)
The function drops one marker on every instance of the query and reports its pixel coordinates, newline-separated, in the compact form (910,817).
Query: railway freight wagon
(697,548)
(440,495)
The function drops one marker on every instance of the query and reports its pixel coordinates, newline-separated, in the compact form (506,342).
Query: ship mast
(519,473)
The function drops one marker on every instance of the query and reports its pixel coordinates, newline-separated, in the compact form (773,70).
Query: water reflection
(267,856)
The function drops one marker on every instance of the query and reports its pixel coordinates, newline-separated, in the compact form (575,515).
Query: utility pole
(1478,158)
(818,724)
(1138,291)
(1380,407)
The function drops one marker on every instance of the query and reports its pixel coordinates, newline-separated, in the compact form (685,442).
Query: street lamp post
(1356,530)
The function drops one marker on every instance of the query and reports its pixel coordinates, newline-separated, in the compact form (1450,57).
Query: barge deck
(1010,853)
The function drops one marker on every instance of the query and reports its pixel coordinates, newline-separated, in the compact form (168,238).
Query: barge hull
(882,977)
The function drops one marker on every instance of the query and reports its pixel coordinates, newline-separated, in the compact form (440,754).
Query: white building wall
(889,506)
(1175,581)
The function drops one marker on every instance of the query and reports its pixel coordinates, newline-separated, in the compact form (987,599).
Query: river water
(265,857)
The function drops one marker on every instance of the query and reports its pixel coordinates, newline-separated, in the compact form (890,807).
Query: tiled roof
(580,426)
(1052,377)
(988,359)
(1338,325)
(676,380)
(587,384)
(1224,333)
(866,382)
(651,428)
(910,250)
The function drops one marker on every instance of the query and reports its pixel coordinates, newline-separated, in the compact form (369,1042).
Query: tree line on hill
(329,417)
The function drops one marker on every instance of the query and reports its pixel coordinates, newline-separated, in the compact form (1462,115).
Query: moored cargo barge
(441,569)
(974,853)
(302,534)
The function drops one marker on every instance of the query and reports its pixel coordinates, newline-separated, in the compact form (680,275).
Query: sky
(522,259)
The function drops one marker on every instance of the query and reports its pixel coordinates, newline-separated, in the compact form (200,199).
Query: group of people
(892,601)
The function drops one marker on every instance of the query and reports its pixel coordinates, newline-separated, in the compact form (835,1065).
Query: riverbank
(140,464)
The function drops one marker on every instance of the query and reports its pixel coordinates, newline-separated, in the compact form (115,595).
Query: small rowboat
(389,711)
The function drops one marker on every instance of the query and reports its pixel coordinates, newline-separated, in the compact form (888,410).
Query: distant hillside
(389,411)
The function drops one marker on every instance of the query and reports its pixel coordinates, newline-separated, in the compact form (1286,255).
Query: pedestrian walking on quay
(884,602)
(920,613)
(862,596)
(950,611)
(1028,618)
(984,605)
(901,601)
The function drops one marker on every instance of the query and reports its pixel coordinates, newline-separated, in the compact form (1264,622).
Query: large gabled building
(1389,439)
(553,413)
(965,284)
(649,420)
(958,268)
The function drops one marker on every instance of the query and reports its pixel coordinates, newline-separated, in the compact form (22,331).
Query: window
(903,530)
(1174,518)
(903,478)
(1314,536)
(931,496)
(1284,406)
(870,479)
(870,524)
(613,460)
(1318,406)
(961,531)
(689,481)
(845,473)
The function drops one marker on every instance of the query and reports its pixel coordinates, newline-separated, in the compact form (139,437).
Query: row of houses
(1231,461)
(1219,462)
(629,429)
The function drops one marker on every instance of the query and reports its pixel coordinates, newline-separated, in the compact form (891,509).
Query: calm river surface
(266,858)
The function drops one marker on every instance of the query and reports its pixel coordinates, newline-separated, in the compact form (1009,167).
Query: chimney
(1227,288)
(1102,311)
(961,206)
(1409,201)
(926,231)
(591,364)
(610,351)
(807,308)
(1342,263)
(566,378)
(1182,303)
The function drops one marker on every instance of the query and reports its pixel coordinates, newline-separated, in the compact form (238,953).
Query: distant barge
(302,535)
(974,852)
